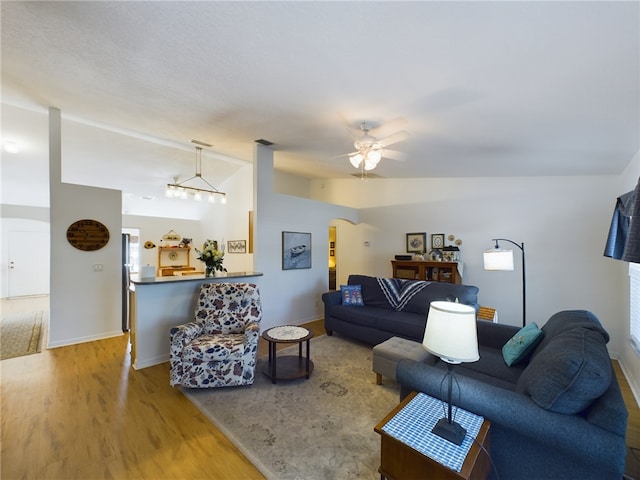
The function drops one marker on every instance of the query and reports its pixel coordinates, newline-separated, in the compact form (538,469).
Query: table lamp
(451,334)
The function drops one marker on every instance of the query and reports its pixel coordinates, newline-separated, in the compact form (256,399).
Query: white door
(29,260)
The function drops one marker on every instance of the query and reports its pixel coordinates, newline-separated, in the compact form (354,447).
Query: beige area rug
(20,334)
(320,428)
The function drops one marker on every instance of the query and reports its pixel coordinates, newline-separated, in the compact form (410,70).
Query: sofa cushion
(372,295)
(403,324)
(573,370)
(442,291)
(364,316)
(489,369)
(492,364)
(420,298)
(351,295)
(521,344)
(567,320)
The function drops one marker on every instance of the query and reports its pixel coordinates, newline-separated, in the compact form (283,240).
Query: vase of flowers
(212,257)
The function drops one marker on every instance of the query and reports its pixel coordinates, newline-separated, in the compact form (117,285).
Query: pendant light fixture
(184,190)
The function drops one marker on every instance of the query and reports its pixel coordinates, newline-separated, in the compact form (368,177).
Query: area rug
(20,334)
(320,428)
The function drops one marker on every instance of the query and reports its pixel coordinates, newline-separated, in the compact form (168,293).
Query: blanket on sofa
(413,296)
(399,292)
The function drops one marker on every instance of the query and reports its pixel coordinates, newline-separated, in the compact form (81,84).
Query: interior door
(29,260)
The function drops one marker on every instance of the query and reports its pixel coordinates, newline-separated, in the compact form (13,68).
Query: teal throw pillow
(351,295)
(521,344)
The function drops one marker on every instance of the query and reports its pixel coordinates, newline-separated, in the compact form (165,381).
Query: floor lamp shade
(451,332)
(498,259)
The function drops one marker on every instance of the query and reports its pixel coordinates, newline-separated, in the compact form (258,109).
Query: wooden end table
(287,367)
(399,461)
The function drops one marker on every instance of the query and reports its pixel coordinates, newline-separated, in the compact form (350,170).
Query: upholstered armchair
(220,346)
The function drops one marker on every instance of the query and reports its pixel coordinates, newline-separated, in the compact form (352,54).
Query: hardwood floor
(633,426)
(81,412)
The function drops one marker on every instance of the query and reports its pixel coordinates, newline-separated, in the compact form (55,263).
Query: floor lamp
(502,259)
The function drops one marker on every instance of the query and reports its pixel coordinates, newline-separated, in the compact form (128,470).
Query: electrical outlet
(97,267)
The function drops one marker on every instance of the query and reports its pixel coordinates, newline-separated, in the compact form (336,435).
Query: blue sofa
(392,307)
(557,414)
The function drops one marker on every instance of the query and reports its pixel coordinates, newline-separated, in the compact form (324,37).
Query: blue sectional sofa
(391,307)
(556,414)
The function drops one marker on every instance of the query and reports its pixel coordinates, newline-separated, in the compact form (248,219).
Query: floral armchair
(220,346)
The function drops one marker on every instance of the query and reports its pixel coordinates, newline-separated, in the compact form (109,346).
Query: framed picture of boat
(296,250)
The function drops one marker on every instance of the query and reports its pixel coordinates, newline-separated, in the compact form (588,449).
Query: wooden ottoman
(387,354)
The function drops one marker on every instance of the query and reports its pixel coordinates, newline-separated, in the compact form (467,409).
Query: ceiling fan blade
(343,155)
(354,132)
(395,138)
(393,154)
(388,128)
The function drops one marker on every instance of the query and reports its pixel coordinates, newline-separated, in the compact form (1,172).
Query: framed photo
(332,244)
(437,240)
(237,246)
(332,253)
(416,242)
(296,250)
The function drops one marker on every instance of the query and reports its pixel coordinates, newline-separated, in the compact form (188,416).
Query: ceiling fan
(369,150)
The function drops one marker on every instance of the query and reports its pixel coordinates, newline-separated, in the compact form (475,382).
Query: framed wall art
(296,250)
(237,246)
(437,240)
(416,242)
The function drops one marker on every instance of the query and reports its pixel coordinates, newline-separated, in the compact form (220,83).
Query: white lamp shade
(355,160)
(374,155)
(451,332)
(498,259)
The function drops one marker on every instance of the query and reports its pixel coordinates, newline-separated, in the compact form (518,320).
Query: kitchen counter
(137,280)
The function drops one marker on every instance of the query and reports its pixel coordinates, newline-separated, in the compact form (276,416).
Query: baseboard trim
(90,338)
(150,362)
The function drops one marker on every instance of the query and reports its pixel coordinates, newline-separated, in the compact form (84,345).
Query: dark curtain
(623,242)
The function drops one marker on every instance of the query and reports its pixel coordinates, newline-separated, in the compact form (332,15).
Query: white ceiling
(483,88)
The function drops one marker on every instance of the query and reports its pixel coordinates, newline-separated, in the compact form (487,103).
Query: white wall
(289,296)
(231,221)
(629,360)
(85,304)
(153,228)
(18,219)
(289,184)
(563,222)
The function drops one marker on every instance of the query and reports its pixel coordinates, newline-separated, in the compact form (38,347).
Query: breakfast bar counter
(160,303)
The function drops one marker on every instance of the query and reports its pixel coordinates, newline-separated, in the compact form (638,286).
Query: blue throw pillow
(521,344)
(351,295)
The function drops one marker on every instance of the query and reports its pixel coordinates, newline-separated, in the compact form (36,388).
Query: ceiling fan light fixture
(355,160)
(369,165)
(374,155)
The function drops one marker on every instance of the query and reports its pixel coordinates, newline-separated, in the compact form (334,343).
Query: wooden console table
(399,461)
(426,270)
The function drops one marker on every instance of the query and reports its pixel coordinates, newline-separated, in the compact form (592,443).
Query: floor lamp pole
(524,284)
